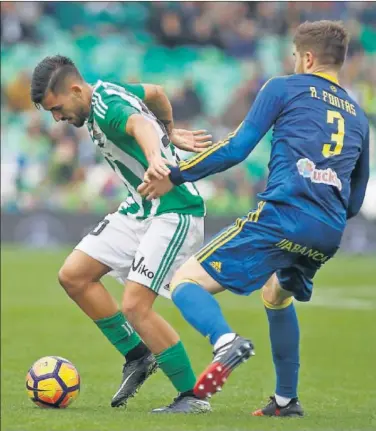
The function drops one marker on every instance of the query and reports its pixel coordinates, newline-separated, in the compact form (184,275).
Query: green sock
(174,362)
(119,332)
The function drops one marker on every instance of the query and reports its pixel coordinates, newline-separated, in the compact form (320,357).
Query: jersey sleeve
(268,104)
(112,115)
(359,180)
(136,89)
(225,154)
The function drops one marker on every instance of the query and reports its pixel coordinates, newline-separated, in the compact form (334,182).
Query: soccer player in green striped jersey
(144,242)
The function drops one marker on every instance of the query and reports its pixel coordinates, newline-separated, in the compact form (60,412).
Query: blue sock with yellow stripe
(201,310)
(284,339)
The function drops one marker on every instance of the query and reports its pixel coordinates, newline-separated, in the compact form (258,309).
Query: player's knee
(71,282)
(270,296)
(273,293)
(177,278)
(134,308)
(186,271)
(137,304)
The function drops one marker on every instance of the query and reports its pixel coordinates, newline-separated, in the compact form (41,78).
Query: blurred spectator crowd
(212,58)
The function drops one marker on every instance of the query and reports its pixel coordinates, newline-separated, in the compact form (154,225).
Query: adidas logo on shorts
(216,265)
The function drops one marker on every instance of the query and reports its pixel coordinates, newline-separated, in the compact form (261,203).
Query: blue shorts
(272,239)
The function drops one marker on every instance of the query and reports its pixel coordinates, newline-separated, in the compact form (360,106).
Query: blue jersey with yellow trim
(319,160)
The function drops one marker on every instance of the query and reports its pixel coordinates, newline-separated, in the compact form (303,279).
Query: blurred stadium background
(212,58)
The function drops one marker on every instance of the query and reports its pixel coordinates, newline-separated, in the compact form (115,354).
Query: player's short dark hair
(328,40)
(50,74)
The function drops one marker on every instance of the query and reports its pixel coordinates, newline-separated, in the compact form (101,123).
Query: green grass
(338,377)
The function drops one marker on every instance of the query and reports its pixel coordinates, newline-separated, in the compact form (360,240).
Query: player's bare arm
(147,138)
(157,101)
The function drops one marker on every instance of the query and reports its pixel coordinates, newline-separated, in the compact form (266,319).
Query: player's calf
(284,339)
(193,297)
(137,306)
(164,342)
(137,303)
(79,277)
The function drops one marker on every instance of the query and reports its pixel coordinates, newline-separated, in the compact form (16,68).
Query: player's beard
(81,117)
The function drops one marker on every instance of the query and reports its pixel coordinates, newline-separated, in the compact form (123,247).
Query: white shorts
(145,251)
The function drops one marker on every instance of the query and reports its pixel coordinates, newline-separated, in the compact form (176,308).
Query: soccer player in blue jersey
(319,168)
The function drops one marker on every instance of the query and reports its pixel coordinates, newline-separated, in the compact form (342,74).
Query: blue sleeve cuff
(176,176)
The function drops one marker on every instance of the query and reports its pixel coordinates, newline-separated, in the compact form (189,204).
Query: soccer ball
(53,382)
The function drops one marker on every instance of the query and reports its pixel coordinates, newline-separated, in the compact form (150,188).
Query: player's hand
(158,167)
(154,188)
(196,141)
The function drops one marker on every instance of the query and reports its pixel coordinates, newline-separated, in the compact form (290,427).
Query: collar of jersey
(330,78)
(97,84)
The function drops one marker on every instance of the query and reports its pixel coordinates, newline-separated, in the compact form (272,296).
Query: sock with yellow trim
(284,339)
(200,310)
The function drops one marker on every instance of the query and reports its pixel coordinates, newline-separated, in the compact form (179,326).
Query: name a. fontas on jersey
(111,106)
(319,161)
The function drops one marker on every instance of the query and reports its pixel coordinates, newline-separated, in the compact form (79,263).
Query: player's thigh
(243,256)
(113,243)
(168,242)
(79,269)
(191,270)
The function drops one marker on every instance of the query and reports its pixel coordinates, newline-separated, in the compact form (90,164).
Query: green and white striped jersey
(111,106)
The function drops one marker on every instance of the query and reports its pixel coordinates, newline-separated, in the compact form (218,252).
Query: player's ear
(309,60)
(76,90)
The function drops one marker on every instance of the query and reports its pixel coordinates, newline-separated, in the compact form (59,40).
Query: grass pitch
(337,379)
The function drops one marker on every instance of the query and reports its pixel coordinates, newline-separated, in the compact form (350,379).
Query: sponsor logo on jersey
(307,169)
(142,268)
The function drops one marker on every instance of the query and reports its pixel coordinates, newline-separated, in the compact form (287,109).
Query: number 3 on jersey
(336,137)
